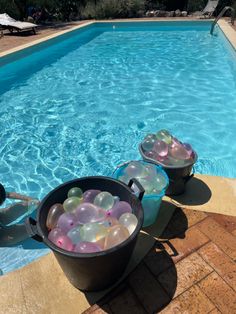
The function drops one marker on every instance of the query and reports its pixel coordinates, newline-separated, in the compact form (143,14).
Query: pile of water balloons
(166,149)
(151,177)
(89,222)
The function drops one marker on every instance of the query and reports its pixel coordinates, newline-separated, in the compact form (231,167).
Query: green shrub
(107,9)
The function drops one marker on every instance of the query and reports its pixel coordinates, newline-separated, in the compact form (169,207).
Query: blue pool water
(80,105)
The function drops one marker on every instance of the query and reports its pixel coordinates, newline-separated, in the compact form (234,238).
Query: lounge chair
(6,22)
(210,8)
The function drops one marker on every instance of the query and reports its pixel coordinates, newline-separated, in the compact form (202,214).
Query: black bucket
(90,271)
(178,175)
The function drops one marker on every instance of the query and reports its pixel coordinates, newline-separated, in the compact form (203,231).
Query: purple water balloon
(179,152)
(67,221)
(118,209)
(89,195)
(87,247)
(189,149)
(161,148)
(88,212)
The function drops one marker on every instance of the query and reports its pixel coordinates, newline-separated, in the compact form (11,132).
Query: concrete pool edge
(228,31)
(224,26)
(44,39)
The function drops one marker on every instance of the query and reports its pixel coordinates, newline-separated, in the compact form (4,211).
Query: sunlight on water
(82,105)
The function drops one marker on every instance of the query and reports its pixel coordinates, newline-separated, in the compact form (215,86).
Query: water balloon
(165,136)
(89,195)
(92,232)
(87,247)
(87,212)
(54,213)
(67,221)
(71,203)
(77,192)
(74,235)
(119,208)
(161,148)
(115,236)
(104,200)
(130,221)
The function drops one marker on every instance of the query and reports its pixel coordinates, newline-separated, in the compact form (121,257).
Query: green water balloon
(104,200)
(71,203)
(75,192)
(165,136)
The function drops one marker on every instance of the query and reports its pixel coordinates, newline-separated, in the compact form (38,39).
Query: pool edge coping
(225,28)
(44,39)
(228,31)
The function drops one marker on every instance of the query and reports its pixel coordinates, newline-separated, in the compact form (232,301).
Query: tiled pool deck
(191,269)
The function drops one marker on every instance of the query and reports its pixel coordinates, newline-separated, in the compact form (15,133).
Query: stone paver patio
(191,269)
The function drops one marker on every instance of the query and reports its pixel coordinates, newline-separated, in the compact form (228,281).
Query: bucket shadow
(176,227)
(196,193)
(158,275)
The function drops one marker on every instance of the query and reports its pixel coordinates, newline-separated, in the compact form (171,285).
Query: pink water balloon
(161,148)
(54,234)
(174,142)
(87,212)
(118,209)
(87,247)
(67,221)
(63,242)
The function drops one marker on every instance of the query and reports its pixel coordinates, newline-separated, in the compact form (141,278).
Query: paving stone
(148,290)
(188,271)
(191,301)
(98,310)
(126,302)
(217,290)
(157,260)
(194,216)
(222,238)
(192,241)
(228,222)
(220,262)
(215,311)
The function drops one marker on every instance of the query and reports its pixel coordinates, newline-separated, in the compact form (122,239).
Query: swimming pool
(80,104)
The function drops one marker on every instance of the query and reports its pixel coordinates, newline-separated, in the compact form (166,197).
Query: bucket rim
(148,159)
(56,249)
(162,193)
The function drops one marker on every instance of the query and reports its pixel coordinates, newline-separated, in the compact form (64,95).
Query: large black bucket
(90,271)
(178,175)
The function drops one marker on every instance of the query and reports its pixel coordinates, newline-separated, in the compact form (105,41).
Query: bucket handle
(139,186)
(31,228)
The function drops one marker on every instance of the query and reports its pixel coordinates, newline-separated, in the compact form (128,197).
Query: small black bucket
(90,271)
(178,175)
